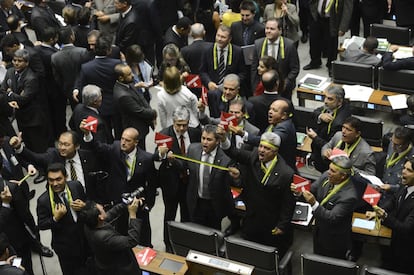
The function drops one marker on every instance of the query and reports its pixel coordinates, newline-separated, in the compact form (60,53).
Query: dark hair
(210,128)
(370,44)
(56,167)
(74,135)
(411,160)
(47,34)
(354,123)
(84,16)
(238,101)
(128,2)
(234,5)
(248,5)
(278,21)
(4,243)
(89,214)
(103,45)
(410,103)
(9,40)
(271,82)
(289,110)
(183,23)
(269,62)
(118,69)
(134,54)
(403,133)
(65,35)
(13,22)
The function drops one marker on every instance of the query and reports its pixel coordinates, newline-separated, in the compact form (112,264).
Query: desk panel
(154,265)
(381,235)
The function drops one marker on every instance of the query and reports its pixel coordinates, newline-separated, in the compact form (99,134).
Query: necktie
(402,197)
(206,178)
(331,186)
(63,198)
(73,174)
(130,166)
(221,67)
(182,145)
(246,36)
(323,8)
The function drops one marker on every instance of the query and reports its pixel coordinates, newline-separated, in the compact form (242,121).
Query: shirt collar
(126,12)
(410,189)
(212,153)
(132,153)
(276,42)
(93,109)
(76,158)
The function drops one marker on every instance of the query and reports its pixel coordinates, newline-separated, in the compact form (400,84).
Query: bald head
(197,31)
(129,140)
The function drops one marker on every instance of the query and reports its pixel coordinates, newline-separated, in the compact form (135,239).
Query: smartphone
(17,262)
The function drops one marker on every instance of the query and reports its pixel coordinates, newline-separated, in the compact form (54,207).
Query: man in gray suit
(366,55)
(350,141)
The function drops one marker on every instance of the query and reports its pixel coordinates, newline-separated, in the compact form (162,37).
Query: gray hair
(181,113)
(22,53)
(197,30)
(271,138)
(337,91)
(90,93)
(344,163)
(232,77)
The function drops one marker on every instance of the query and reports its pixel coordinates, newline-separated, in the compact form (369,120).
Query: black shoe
(304,38)
(311,66)
(39,179)
(231,230)
(32,194)
(45,251)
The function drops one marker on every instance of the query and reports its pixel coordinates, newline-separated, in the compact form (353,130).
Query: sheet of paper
(366,224)
(403,52)
(357,92)
(373,179)
(398,101)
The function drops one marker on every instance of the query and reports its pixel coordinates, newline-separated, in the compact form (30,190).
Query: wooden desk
(154,265)
(381,235)
(377,100)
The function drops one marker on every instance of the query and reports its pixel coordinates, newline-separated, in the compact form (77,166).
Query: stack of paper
(383,44)
(398,101)
(354,39)
(357,92)
(314,82)
(403,52)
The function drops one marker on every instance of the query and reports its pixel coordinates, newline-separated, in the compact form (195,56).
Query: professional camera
(128,198)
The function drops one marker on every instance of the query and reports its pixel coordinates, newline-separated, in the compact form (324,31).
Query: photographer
(112,251)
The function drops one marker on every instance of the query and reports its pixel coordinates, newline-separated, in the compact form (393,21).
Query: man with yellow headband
(57,210)
(332,198)
(265,178)
(350,141)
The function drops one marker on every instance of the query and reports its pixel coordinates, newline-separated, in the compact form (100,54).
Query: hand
(99,13)
(88,4)
(309,197)
(75,95)
(221,133)
(163,150)
(385,187)
(325,117)
(234,173)
(133,207)
(140,84)
(394,48)
(16,141)
(311,133)
(380,212)
(327,154)
(370,215)
(294,190)
(200,105)
(341,33)
(6,195)
(237,130)
(82,127)
(14,104)
(31,170)
(212,86)
(389,2)
(284,9)
(103,18)
(277,231)
(77,205)
(60,211)
(184,75)
(18,5)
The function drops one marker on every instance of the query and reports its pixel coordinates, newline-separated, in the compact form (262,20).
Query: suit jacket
(356,55)
(403,13)
(261,106)
(192,54)
(252,130)
(290,22)
(48,81)
(255,31)
(217,105)
(134,109)
(287,133)
(67,235)
(108,7)
(26,93)
(170,37)
(103,133)
(11,270)
(334,218)
(42,17)
(288,67)
(219,184)
(128,31)
(389,63)
(268,205)
(89,162)
(3,19)
(100,72)
(150,26)
(208,73)
(16,165)
(167,10)
(113,251)
(401,220)
(117,184)
(362,156)
(169,172)
(66,65)
(339,16)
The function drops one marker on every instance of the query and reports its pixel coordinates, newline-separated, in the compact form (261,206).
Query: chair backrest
(264,258)
(302,117)
(396,81)
(370,270)
(371,130)
(353,73)
(312,264)
(395,35)
(186,236)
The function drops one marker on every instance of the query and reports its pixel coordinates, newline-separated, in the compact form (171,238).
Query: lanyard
(333,118)
(328,7)
(392,161)
(347,149)
(52,201)
(268,170)
(334,190)
(229,56)
(281,47)
(201,162)
(131,167)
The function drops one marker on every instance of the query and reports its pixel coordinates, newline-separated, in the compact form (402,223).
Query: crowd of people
(95,65)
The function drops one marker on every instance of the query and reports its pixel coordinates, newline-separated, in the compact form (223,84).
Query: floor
(303,238)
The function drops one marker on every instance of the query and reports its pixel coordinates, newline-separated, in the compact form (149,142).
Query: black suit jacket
(128,31)
(170,37)
(67,235)
(208,73)
(134,109)
(255,30)
(261,106)
(192,54)
(400,64)
(219,185)
(150,27)
(11,270)
(43,17)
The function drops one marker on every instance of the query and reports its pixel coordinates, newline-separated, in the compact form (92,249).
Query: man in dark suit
(262,102)
(285,53)
(100,72)
(389,63)
(173,177)
(333,197)
(209,198)
(66,64)
(42,17)
(91,101)
(398,214)
(7,8)
(128,31)
(220,59)
(134,109)
(130,168)
(6,267)
(266,193)
(57,210)
(80,165)
(178,33)
(23,94)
